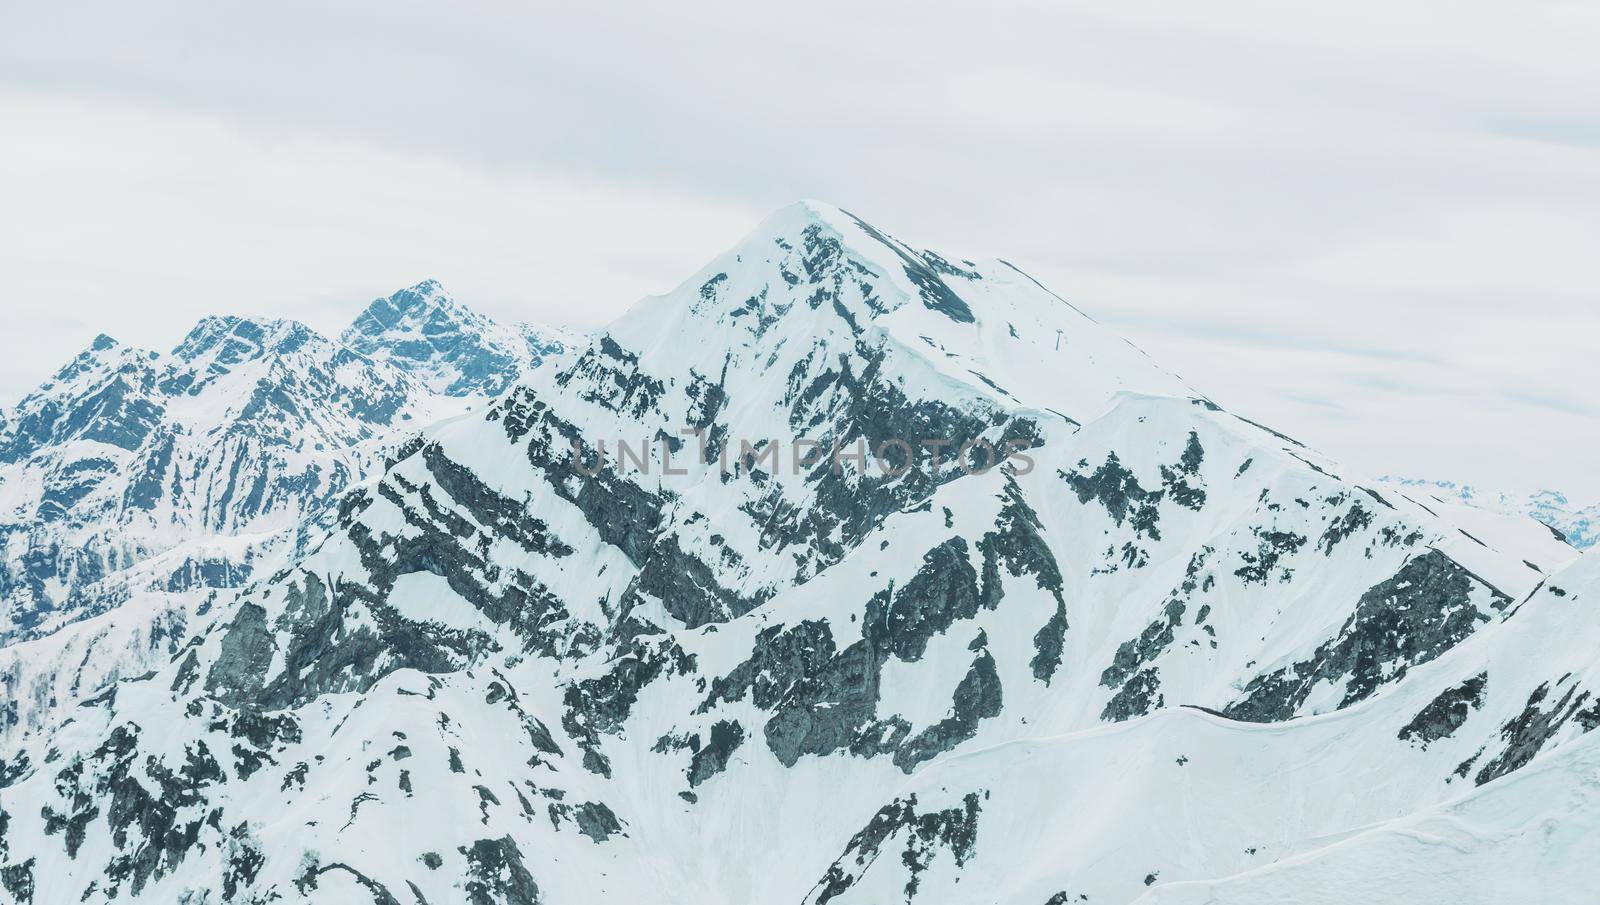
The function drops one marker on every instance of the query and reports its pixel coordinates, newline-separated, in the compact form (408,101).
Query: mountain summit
(452,349)
(1034,622)
(816,276)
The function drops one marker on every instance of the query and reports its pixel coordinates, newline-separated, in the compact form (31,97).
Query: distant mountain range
(845,572)
(247,426)
(133,472)
(1579,524)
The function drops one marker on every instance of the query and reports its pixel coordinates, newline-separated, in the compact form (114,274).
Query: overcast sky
(1375,226)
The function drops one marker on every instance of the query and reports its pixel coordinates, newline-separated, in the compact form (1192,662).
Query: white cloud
(138,223)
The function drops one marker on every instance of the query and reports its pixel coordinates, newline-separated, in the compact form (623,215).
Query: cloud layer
(1369,224)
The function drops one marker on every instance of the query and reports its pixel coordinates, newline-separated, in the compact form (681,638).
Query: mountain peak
(818,271)
(813,217)
(455,350)
(806,241)
(103,352)
(415,304)
(232,339)
(103,347)
(807,211)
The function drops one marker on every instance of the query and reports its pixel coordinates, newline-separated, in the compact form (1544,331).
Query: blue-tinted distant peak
(230,339)
(455,350)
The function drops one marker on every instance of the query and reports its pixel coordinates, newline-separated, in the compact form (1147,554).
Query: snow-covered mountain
(1102,641)
(1578,524)
(135,475)
(452,349)
(247,426)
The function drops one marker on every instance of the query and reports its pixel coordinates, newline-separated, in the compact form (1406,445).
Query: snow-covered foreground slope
(1529,838)
(1154,644)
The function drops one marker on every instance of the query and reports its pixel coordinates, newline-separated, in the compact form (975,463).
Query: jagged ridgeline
(1150,646)
(138,482)
(248,426)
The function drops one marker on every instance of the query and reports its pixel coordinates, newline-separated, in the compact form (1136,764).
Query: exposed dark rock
(244,861)
(593,819)
(307,881)
(1447,712)
(976,698)
(687,587)
(825,699)
(1274,546)
(1354,519)
(501,516)
(245,655)
(1115,487)
(954,830)
(1138,686)
(936,294)
(1016,542)
(778,658)
(1048,643)
(1180,481)
(601,704)
(624,514)
(496,874)
(259,736)
(143,824)
(1409,619)
(942,592)
(708,761)
(18,881)
(1139,695)
(1528,732)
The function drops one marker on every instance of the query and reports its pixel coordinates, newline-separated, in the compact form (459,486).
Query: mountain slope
(733,666)
(1512,836)
(1530,838)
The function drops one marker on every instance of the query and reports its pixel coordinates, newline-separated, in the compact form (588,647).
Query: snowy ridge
(1163,646)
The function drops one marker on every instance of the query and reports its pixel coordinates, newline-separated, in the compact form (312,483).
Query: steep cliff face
(845,572)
